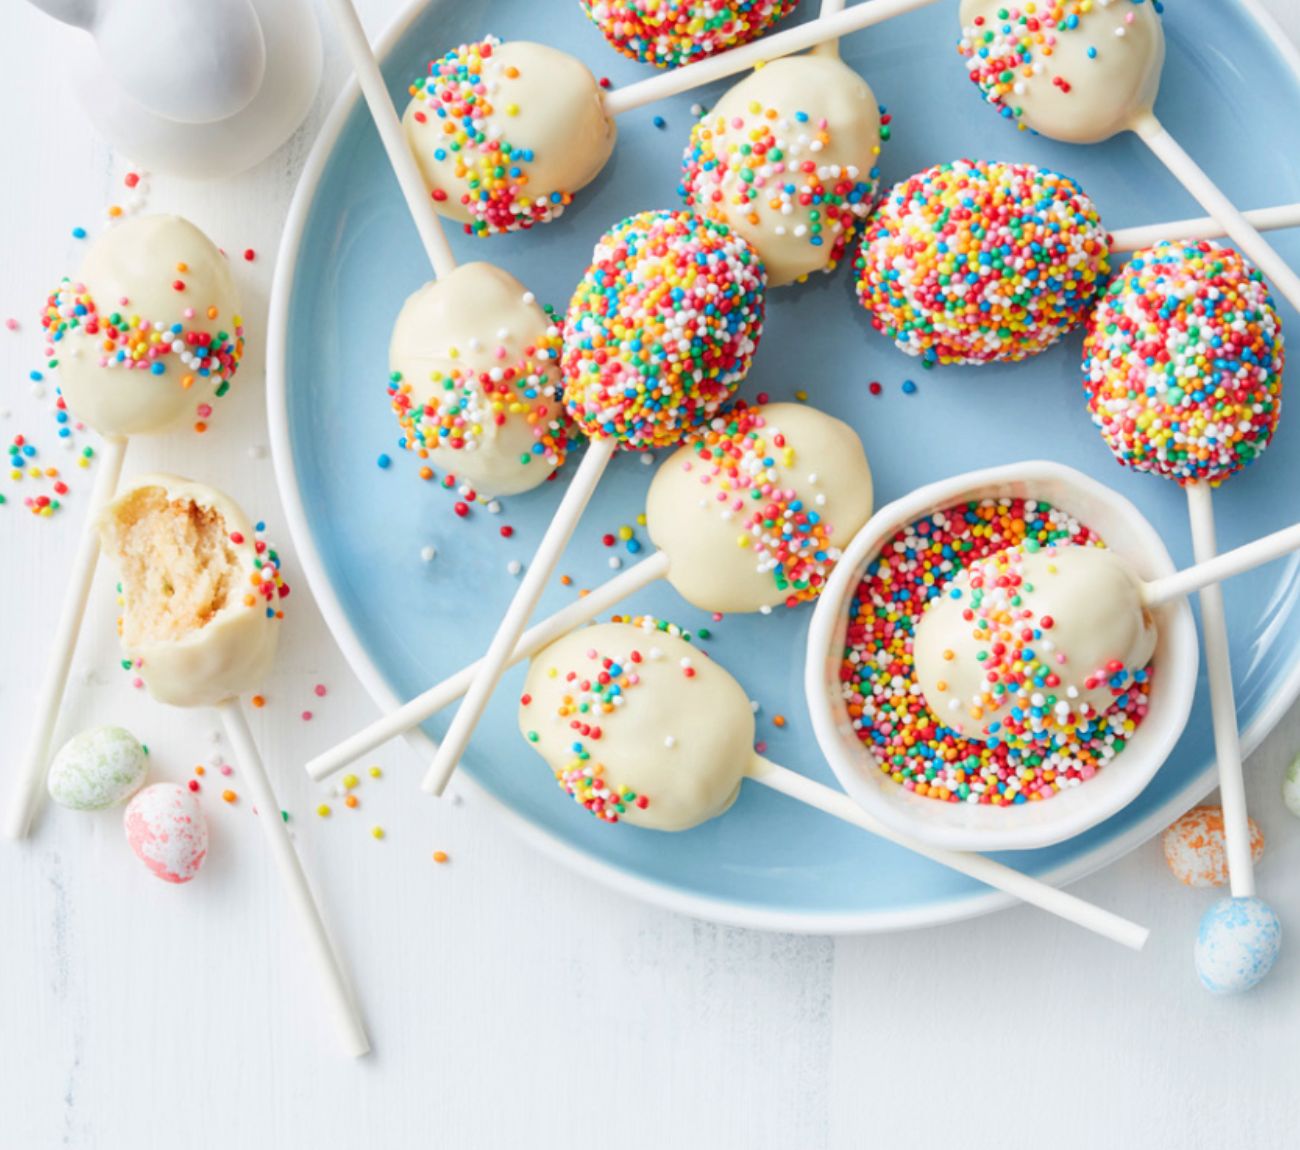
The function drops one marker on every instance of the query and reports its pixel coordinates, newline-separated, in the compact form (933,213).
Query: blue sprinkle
(909,388)
(660,122)
(384,462)
(78,233)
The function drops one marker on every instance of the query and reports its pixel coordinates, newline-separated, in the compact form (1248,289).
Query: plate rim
(719,910)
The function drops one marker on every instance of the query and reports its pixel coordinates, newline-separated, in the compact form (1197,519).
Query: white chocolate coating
(480,321)
(702,512)
(1067,94)
(545,105)
(137,262)
(233,650)
(682,741)
(1080,613)
(826,115)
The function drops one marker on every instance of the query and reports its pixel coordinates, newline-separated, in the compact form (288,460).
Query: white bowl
(968,826)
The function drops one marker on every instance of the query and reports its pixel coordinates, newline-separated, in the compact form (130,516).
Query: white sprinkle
(670,742)
(427,553)
(514,566)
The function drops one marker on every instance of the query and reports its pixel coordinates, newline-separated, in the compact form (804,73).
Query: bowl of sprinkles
(1014,791)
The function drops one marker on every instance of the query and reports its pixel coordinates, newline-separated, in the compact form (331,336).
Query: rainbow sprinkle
(972,262)
(884,700)
(1183,363)
(662,328)
(738,458)
(669,33)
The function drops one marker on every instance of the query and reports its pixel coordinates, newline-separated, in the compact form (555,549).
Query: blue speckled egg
(1237,944)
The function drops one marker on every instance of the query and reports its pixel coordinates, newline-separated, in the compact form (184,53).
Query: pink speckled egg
(166,830)
(1195,850)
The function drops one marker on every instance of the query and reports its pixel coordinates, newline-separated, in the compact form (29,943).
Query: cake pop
(200,622)
(506,133)
(1183,372)
(1082,71)
(975,261)
(750,514)
(669,33)
(147,332)
(640,727)
(659,334)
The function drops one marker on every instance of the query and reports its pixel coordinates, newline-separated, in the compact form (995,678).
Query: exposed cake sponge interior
(178,567)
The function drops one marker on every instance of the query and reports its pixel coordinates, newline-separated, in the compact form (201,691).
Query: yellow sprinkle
(376,773)
(349,781)
(377,832)
(323,810)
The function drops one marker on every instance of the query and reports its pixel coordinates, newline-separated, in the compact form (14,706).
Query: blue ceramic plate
(351,256)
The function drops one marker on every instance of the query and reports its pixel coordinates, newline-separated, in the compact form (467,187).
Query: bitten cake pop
(976,262)
(658,336)
(1183,371)
(505,134)
(147,333)
(788,159)
(669,33)
(200,595)
(639,727)
(1083,71)
(752,513)
(1033,643)
(474,380)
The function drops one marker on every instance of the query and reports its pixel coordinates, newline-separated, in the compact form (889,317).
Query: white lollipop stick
(32,768)
(1235,224)
(982,869)
(432,701)
(744,58)
(831,48)
(1203,228)
(634,579)
(493,665)
(1223,706)
(384,114)
(338,994)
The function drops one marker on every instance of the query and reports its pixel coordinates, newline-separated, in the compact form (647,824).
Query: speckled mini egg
(166,830)
(1195,848)
(1237,944)
(97,769)
(1291,787)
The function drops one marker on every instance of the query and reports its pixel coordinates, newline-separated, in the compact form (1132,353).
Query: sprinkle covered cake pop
(475,377)
(148,330)
(1183,363)
(971,262)
(638,726)
(788,160)
(1032,643)
(754,510)
(506,133)
(669,33)
(1074,70)
(662,328)
(200,591)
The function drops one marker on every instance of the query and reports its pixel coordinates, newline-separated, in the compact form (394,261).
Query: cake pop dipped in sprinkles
(658,335)
(749,515)
(670,33)
(1183,369)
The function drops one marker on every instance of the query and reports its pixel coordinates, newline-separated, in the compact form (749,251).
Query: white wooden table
(512,1003)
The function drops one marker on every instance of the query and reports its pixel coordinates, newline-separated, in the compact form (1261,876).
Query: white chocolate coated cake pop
(199,590)
(149,329)
(754,511)
(475,380)
(639,726)
(788,160)
(1074,70)
(1030,642)
(506,133)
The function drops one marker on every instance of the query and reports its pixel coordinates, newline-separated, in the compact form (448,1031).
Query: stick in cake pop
(200,622)
(670,33)
(658,336)
(975,262)
(1082,71)
(640,727)
(148,331)
(750,514)
(506,134)
(1183,371)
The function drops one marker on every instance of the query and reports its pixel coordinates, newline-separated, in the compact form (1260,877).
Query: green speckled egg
(1291,787)
(97,769)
